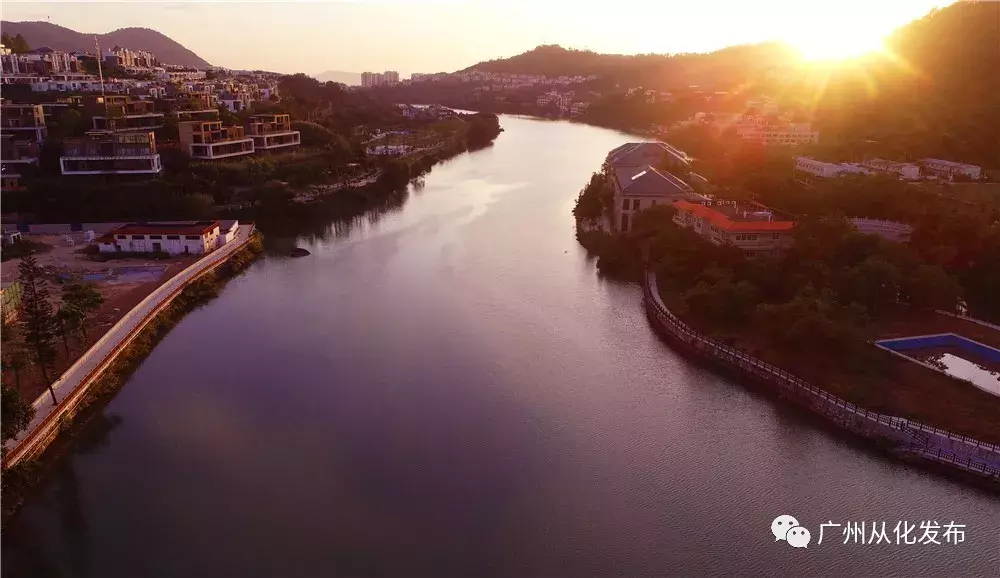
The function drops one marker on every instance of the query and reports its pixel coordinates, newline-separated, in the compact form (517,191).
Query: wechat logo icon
(787,528)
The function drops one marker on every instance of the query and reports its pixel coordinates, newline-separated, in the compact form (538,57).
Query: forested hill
(650,70)
(166,50)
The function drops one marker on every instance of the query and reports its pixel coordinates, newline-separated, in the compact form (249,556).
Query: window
(624,223)
(625,205)
(635,204)
(173,237)
(138,237)
(775,235)
(156,236)
(192,237)
(652,203)
(120,236)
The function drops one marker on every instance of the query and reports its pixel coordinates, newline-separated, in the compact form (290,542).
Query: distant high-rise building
(379,78)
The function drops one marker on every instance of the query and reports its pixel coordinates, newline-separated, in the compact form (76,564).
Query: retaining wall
(903,436)
(45,428)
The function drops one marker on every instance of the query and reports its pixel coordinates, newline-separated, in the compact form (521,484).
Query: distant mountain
(348,78)
(727,66)
(167,51)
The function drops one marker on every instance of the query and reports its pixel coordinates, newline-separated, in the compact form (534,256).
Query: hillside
(732,65)
(348,78)
(40,34)
(916,102)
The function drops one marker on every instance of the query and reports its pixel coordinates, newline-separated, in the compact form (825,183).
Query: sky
(442,36)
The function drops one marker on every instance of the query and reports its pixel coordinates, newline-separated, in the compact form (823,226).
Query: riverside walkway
(908,437)
(73,384)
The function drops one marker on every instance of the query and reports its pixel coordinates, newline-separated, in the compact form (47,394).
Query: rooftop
(172,228)
(642,153)
(650,181)
(740,216)
(948,163)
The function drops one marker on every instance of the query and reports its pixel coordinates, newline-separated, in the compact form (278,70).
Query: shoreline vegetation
(389,187)
(812,311)
(75,428)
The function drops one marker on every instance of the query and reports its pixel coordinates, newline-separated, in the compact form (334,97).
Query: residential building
(907,171)
(15,157)
(235,102)
(656,153)
(129,59)
(578,108)
(272,132)
(639,188)
(209,140)
(198,106)
(25,122)
(228,230)
(45,60)
(752,227)
(888,230)
(186,238)
(122,114)
(793,134)
(105,152)
(951,169)
(369,79)
(10,300)
(829,170)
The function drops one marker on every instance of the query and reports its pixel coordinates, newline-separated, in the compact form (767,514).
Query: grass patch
(23,248)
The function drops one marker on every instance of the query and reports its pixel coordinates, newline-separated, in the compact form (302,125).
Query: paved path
(68,387)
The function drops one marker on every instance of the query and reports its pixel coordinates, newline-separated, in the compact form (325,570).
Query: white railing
(970,453)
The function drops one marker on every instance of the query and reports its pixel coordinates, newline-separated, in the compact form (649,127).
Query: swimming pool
(952,354)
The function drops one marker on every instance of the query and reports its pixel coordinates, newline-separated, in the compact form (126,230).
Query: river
(449,389)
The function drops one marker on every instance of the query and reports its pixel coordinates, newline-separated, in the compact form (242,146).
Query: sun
(822,48)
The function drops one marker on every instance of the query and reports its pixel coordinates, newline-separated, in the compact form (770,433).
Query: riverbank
(972,459)
(19,479)
(260,185)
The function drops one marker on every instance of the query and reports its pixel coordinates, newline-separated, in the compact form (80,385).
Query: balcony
(131,122)
(269,141)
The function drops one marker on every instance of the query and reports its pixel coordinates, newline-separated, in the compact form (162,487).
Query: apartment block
(272,132)
(209,140)
(752,227)
(117,153)
(829,170)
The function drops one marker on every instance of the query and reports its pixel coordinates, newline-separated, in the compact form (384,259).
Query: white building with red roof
(174,238)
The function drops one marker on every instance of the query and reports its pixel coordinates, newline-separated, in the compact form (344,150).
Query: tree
(15,413)
(69,123)
(17,44)
(83,299)
(12,353)
(37,319)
